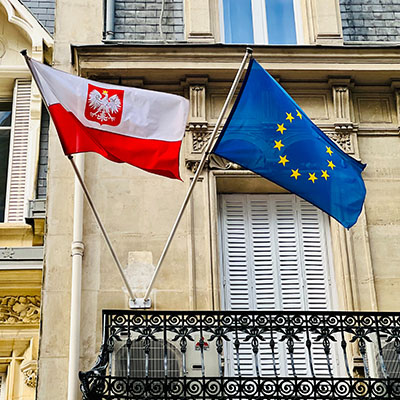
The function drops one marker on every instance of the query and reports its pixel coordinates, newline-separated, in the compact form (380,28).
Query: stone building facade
(22,199)
(333,67)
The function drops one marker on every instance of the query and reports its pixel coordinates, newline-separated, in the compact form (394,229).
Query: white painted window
(2,386)
(261,21)
(275,256)
(5,133)
(14,145)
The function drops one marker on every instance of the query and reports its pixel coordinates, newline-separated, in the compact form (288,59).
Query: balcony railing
(246,355)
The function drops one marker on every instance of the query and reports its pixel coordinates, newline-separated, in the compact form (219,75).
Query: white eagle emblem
(103,107)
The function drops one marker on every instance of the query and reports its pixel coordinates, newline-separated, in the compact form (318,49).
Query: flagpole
(88,198)
(102,229)
(206,153)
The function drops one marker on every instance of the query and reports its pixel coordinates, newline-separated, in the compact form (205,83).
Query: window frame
(330,281)
(8,99)
(326,241)
(260,22)
(120,349)
(3,385)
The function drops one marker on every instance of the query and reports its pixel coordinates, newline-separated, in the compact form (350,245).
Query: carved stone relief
(199,139)
(19,310)
(29,370)
(343,140)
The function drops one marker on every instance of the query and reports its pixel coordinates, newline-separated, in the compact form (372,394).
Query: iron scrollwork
(263,334)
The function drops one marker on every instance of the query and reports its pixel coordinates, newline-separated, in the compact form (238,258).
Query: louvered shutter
(274,257)
(17,173)
(238,281)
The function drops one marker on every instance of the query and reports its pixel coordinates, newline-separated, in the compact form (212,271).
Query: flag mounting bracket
(139,303)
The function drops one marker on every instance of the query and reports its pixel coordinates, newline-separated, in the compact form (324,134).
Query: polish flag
(140,127)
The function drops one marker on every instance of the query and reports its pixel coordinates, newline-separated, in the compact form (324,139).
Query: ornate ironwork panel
(135,360)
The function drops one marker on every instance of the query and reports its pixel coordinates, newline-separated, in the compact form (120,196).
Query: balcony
(246,355)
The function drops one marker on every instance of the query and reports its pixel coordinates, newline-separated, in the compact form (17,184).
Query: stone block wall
(138,20)
(44,11)
(370,20)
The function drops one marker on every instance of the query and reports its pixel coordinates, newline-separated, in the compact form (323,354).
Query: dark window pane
(5,113)
(4,148)
(137,360)
(280,22)
(238,21)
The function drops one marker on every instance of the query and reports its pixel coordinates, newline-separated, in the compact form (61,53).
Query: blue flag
(269,134)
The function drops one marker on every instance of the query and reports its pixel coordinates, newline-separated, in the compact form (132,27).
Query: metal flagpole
(84,188)
(100,224)
(145,301)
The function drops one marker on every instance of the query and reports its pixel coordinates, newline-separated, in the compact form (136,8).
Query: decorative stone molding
(197,95)
(396,87)
(19,310)
(200,138)
(344,127)
(198,21)
(341,100)
(8,252)
(344,138)
(192,165)
(29,371)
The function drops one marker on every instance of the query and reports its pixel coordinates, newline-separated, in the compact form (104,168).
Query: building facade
(243,242)
(23,148)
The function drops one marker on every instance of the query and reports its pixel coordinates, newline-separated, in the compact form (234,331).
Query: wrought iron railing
(245,355)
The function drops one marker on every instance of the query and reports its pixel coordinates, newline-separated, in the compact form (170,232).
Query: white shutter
(314,258)
(237,281)
(16,182)
(274,257)
(2,386)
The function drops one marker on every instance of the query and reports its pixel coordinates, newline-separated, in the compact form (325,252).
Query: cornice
(364,64)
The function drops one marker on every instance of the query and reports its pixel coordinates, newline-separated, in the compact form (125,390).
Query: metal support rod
(84,188)
(103,231)
(207,151)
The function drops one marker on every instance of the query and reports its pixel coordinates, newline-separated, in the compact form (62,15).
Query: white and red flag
(140,127)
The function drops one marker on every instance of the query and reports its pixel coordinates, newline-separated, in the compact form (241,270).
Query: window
(5,131)
(17,149)
(275,256)
(135,361)
(3,378)
(261,21)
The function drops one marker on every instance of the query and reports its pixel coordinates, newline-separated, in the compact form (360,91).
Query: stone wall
(44,11)
(139,20)
(370,20)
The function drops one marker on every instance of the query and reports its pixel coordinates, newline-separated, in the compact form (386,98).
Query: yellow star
(299,114)
(105,91)
(331,164)
(278,145)
(283,160)
(289,117)
(324,174)
(312,177)
(295,173)
(328,150)
(281,128)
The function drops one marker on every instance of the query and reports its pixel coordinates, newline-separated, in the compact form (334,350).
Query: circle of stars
(312,176)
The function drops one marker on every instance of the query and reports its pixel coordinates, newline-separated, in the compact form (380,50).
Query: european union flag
(269,134)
